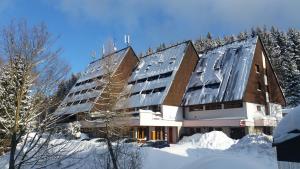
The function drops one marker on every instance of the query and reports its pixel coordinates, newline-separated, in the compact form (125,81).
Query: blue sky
(84,25)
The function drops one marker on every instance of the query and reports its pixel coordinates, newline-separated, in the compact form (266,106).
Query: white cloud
(177,19)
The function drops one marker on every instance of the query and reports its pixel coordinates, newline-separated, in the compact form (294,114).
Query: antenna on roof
(115,46)
(103,49)
(127,39)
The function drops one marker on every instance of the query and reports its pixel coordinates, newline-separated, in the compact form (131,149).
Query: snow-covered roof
(87,88)
(221,74)
(151,80)
(288,127)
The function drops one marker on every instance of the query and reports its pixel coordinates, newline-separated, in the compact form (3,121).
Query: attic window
(194,88)
(146,91)
(148,67)
(161,89)
(70,95)
(84,91)
(92,99)
(69,104)
(257,68)
(131,83)
(98,87)
(217,65)
(213,85)
(172,60)
(165,75)
(141,80)
(76,102)
(153,78)
(135,93)
(83,101)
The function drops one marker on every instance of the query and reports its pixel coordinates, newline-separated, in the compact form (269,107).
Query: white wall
(171,112)
(275,110)
(212,114)
(252,111)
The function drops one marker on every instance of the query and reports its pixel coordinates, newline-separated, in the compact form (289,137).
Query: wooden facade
(182,77)
(256,87)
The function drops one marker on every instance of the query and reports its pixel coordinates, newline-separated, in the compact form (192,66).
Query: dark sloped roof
(151,80)
(221,74)
(87,81)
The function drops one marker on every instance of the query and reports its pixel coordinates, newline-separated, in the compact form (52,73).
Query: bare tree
(30,74)
(114,124)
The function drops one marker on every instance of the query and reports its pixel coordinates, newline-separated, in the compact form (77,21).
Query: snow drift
(288,127)
(212,140)
(259,144)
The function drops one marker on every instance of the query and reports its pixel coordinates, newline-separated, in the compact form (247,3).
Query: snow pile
(211,140)
(288,127)
(259,144)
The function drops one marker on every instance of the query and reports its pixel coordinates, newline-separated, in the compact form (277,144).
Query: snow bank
(259,144)
(290,123)
(211,140)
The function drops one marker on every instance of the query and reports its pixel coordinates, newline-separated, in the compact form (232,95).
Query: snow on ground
(213,150)
(211,140)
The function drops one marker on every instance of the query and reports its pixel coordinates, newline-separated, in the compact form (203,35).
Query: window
(70,95)
(131,83)
(257,68)
(92,99)
(77,84)
(146,91)
(194,88)
(155,108)
(148,67)
(84,91)
(233,105)
(258,108)
(196,108)
(77,93)
(213,85)
(83,101)
(259,86)
(76,102)
(69,104)
(165,75)
(135,93)
(213,106)
(98,87)
(153,78)
(141,80)
(135,114)
(161,89)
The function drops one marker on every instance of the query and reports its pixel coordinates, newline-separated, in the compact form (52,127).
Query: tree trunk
(112,154)
(13,145)
(110,148)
